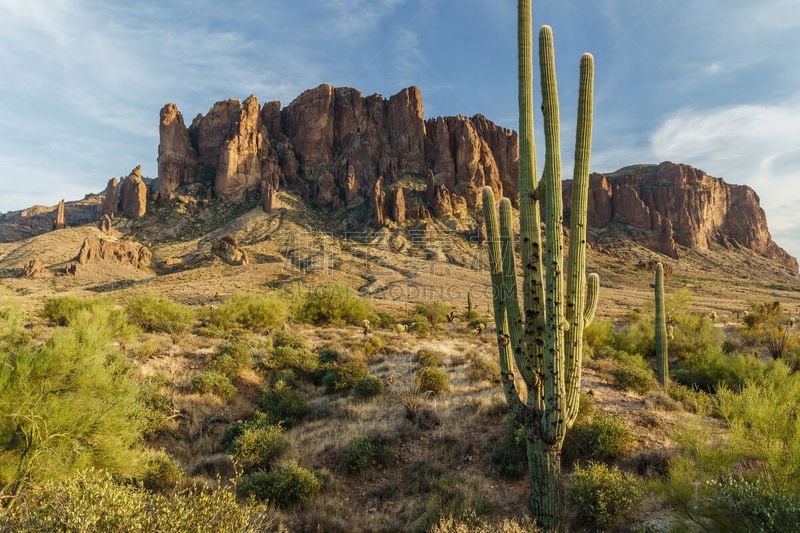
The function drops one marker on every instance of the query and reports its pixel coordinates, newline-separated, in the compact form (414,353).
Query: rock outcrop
(126,252)
(332,145)
(670,204)
(34,269)
(229,250)
(111,199)
(59,222)
(133,195)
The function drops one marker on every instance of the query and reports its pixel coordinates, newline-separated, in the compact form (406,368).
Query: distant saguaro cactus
(546,343)
(661,336)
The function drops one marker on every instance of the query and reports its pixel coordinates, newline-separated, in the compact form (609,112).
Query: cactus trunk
(545,343)
(662,352)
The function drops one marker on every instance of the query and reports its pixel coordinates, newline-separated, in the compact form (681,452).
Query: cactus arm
(499,300)
(553,418)
(662,364)
(530,234)
(525,364)
(576,259)
(592,293)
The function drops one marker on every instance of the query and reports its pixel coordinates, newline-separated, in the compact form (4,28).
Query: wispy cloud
(746,144)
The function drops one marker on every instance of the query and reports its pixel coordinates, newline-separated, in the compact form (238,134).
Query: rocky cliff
(663,206)
(337,148)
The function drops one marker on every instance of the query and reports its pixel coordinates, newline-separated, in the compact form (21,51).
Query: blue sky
(712,83)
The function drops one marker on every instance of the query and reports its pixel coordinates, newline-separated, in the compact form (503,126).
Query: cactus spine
(546,346)
(661,336)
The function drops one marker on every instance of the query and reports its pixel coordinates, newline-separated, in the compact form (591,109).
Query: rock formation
(59,222)
(229,250)
(33,269)
(671,204)
(377,202)
(268,197)
(105,224)
(111,200)
(133,195)
(332,145)
(126,252)
(177,160)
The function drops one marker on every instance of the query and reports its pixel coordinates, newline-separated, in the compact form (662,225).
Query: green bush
(68,403)
(232,358)
(257,447)
(327,356)
(604,439)
(708,370)
(161,472)
(64,309)
(212,382)
(155,313)
(255,312)
(343,376)
(155,397)
(287,338)
(694,334)
(602,497)
(93,501)
(365,450)
(301,360)
(432,380)
(366,388)
(435,312)
(429,358)
(290,486)
(693,400)
(510,456)
(754,506)
(371,346)
(598,333)
(632,373)
(286,376)
(335,304)
(283,404)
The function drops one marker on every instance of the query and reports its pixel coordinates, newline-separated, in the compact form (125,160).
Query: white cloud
(756,145)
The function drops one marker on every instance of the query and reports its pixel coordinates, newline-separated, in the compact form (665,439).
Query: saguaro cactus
(661,336)
(546,343)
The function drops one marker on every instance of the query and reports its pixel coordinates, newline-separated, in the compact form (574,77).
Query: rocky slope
(667,205)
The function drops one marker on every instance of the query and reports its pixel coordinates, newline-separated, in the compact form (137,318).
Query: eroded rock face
(34,269)
(673,204)
(229,250)
(111,199)
(177,160)
(126,252)
(59,222)
(133,195)
(332,144)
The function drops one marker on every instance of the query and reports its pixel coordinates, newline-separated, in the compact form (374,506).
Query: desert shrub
(256,312)
(161,472)
(602,497)
(287,338)
(283,404)
(435,312)
(259,420)
(598,333)
(448,495)
(382,319)
(754,506)
(484,368)
(371,346)
(366,388)
(155,313)
(94,501)
(155,397)
(604,439)
(301,360)
(343,376)
(418,324)
(212,382)
(328,355)
(470,523)
(635,337)
(257,447)
(711,369)
(333,304)
(289,486)
(432,380)
(694,334)
(429,358)
(286,376)
(632,373)
(692,400)
(62,310)
(510,456)
(586,408)
(68,403)
(232,358)
(364,451)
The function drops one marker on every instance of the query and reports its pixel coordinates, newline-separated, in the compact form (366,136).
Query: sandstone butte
(337,149)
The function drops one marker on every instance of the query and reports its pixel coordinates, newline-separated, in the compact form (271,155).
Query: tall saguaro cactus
(662,369)
(544,343)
